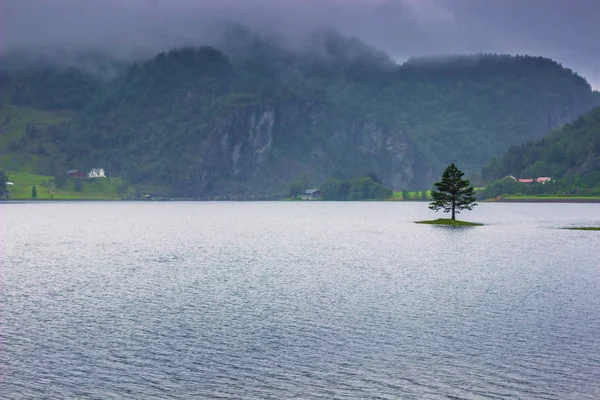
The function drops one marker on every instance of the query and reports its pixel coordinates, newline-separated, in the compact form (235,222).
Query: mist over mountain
(563,31)
(239,42)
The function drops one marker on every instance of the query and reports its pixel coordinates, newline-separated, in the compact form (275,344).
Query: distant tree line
(360,188)
(417,195)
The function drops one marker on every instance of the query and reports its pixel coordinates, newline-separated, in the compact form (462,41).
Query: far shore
(545,199)
(519,199)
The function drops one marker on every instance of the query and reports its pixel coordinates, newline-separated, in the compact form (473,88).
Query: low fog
(564,31)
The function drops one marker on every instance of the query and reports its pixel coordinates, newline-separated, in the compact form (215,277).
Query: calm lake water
(297,300)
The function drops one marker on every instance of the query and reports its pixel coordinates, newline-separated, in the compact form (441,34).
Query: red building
(75,173)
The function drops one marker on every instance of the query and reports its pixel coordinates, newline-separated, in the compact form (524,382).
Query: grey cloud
(563,30)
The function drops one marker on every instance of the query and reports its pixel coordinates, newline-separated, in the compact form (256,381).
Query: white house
(96,173)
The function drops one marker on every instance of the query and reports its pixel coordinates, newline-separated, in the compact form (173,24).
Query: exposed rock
(246,150)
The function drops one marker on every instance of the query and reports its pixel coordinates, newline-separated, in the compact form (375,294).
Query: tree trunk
(453,206)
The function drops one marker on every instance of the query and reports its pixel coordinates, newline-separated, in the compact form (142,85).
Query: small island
(453,194)
(583,228)
(448,222)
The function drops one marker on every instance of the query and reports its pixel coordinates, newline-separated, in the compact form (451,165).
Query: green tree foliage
(78,185)
(424,195)
(295,188)
(60,180)
(453,193)
(360,188)
(3,189)
(335,189)
(304,181)
(30,130)
(50,88)
(405,194)
(33,192)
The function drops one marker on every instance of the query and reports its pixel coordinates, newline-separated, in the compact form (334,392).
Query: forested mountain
(255,114)
(573,149)
(50,88)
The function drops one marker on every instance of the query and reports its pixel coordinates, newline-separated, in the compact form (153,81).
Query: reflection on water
(297,300)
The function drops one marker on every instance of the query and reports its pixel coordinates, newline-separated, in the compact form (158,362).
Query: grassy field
(97,189)
(448,222)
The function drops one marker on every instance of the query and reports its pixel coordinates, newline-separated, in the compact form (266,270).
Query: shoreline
(590,200)
(545,200)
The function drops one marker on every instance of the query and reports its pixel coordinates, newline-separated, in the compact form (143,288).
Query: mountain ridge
(156,122)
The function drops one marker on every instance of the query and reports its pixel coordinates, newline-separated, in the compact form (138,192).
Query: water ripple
(298,301)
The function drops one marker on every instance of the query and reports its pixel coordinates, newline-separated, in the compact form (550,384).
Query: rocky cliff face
(258,149)
(237,149)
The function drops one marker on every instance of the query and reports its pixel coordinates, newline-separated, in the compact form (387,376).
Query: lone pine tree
(453,193)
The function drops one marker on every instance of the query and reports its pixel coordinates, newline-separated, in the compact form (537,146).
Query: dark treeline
(359,188)
(3,188)
(50,88)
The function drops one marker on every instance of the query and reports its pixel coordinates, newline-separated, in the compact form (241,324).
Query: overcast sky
(565,30)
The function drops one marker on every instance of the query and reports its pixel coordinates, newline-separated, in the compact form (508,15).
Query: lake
(307,300)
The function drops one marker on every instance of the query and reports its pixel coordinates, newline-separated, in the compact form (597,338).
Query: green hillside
(569,155)
(573,149)
(24,142)
(253,116)
(46,188)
